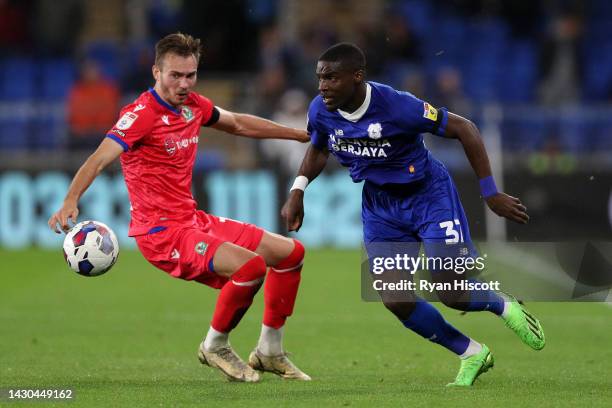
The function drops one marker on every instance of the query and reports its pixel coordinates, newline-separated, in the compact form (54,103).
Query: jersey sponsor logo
(187,113)
(164,119)
(338,132)
(170,146)
(360,147)
(117,131)
(375,131)
(429,112)
(175,254)
(138,107)
(201,247)
(173,144)
(126,120)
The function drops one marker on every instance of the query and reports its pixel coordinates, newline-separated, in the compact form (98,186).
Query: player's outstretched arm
(106,153)
(312,165)
(500,203)
(242,124)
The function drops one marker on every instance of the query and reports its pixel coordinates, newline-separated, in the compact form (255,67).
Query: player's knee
(451,299)
(252,272)
(294,260)
(401,310)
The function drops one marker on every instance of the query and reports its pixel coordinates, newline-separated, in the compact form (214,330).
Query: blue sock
(485,300)
(426,321)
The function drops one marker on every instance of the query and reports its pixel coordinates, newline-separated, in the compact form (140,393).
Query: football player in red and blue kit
(156,138)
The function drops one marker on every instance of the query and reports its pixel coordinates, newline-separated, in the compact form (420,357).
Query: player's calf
(237,294)
(282,283)
(280,292)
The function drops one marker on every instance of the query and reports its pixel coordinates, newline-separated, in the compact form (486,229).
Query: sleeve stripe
(118,140)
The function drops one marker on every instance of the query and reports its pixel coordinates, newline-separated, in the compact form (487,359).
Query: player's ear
(156,72)
(359,76)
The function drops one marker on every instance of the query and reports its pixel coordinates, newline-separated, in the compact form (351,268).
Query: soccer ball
(91,248)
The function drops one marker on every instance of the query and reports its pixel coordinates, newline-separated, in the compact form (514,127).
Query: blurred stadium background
(536,77)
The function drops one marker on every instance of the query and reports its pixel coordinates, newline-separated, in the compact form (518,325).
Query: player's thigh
(239,233)
(203,256)
(229,258)
(274,248)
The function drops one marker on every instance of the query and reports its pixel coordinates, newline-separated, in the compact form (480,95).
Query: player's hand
(69,211)
(509,207)
(293,210)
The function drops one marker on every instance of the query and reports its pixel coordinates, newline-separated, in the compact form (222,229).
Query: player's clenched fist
(293,210)
(69,211)
(509,207)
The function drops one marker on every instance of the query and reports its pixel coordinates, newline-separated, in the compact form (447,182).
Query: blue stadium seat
(527,132)
(108,56)
(439,44)
(485,44)
(57,77)
(418,13)
(18,80)
(14,134)
(48,132)
(577,132)
(519,74)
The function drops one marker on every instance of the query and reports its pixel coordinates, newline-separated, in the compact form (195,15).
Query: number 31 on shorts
(455,234)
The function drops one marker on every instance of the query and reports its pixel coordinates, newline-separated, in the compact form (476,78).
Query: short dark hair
(348,55)
(180,44)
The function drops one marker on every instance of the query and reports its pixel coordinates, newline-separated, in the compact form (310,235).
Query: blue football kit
(408,196)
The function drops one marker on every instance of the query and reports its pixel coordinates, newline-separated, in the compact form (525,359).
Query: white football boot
(229,363)
(279,365)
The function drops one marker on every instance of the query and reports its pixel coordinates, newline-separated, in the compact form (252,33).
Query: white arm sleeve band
(300,183)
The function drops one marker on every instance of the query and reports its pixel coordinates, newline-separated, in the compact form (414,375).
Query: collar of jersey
(164,103)
(358,114)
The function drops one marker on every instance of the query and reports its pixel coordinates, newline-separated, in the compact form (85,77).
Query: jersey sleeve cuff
(442,121)
(118,140)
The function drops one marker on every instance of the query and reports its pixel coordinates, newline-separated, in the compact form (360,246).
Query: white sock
(506,310)
(270,341)
(215,340)
(473,348)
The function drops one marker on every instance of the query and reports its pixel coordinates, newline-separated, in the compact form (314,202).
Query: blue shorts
(428,211)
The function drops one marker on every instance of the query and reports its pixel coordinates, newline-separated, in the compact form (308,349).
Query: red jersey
(160,144)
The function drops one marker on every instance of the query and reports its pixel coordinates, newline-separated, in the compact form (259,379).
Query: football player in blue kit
(408,195)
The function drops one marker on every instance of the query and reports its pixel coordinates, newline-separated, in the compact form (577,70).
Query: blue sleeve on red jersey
(418,116)
(318,138)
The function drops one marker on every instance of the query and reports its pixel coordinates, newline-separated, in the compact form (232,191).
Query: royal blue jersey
(382,141)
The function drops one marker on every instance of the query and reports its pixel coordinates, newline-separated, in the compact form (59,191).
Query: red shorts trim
(186,252)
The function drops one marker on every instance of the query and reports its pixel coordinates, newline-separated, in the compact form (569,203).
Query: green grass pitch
(129,338)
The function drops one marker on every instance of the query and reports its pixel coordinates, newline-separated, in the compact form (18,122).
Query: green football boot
(472,367)
(524,324)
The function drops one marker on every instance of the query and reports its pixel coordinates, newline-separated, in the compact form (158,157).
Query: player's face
(337,86)
(175,77)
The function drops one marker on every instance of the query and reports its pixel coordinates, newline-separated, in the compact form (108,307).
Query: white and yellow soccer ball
(91,248)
